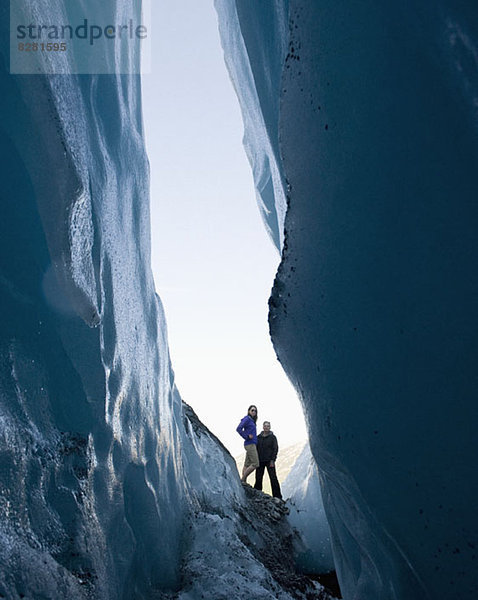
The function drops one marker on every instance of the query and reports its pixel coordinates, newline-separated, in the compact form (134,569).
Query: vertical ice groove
(256,79)
(81,244)
(465,57)
(307,514)
(64,199)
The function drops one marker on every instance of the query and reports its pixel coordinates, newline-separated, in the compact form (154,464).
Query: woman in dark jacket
(247,430)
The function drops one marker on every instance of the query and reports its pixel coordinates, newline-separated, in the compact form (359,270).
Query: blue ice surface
(374,309)
(254,51)
(91,482)
(307,514)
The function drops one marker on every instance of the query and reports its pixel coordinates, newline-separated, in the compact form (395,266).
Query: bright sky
(213,262)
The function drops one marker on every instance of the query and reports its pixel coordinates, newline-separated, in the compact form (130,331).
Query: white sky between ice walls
(213,262)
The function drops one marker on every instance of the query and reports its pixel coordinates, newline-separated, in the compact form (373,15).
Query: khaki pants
(252,458)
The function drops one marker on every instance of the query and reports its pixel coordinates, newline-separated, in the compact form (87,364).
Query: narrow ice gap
(213,262)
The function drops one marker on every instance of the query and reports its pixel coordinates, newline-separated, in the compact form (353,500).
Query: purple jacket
(246,427)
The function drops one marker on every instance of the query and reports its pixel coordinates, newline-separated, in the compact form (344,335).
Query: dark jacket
(246,427)
(267,447)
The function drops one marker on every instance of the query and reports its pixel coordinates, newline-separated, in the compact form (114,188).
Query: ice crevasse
(110,488)
(370,118)
(361,128)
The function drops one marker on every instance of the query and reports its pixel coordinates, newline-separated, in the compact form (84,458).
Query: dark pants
(272,476)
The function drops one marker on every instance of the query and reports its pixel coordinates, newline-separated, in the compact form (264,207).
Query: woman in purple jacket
(247,430)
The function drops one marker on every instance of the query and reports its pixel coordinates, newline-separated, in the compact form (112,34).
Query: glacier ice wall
(254,51)
(307,514)
(373,313)
(91,482)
